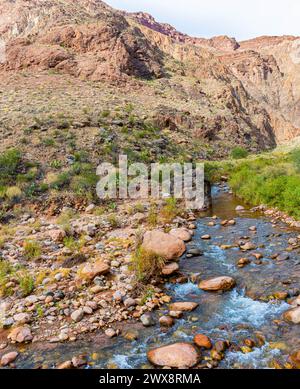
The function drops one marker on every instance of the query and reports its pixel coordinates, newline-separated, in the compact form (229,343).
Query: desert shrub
(6,270)
(146,264)
(113,221)
(238,153)
(59,181)
(26,283)
(56,164)
(147,294)
(13,193)
(9,163)
(170,210)
(32,250)
(48,142)
(65,218)
(84,185)
(105,113)
(152,217)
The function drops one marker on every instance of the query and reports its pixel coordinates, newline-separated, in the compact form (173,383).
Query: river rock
(239,208)
(176,314)
(176,355)
(131,335)
(296,302)
(206,237)
(110,332)
(147,320)
(248,246)
(293,315)
(22,318)
(77,315)
(218,283)
(295,359)
(20,335)
(65,365)
(79,360)
(57,235)
(164,245)
(129,302)
(183,306)
(170,269)
(92,270)
(181,233)
(243,262)
(202,341)
(9,358)
(293,241)
(194,252)
(166,321)
(283,257)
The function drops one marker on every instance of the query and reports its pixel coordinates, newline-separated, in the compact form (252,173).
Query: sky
(242,19)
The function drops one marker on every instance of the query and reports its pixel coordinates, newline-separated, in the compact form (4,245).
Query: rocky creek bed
(244,324)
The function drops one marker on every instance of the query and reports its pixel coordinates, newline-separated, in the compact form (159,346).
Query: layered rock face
(86,40)
(246,92)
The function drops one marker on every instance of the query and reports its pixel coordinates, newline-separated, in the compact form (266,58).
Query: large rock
(293,315)
(181,233)
(8,358)
(185,306)
(92,270)
(218,283)
(170,269)
(20,335)
(175,355)
(165,245)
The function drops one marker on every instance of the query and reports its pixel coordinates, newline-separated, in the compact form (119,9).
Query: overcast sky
(242,19)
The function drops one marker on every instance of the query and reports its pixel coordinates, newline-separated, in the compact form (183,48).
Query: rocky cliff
(216,91)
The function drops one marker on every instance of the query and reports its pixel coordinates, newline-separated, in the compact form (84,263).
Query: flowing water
(248,311)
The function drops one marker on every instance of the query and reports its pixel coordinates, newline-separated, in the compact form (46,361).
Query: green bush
(26,283)
(239,153)
(269,180)
(9,163)
(146,264)
(32,249)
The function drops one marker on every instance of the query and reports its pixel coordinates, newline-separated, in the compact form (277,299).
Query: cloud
(207,18)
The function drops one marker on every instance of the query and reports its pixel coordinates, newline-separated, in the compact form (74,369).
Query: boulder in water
(181,233)
(175,355)
(293,315)
(165,245)
(185,306)
(218,283)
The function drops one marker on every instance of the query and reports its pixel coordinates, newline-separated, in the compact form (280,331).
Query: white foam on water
(217,254)
(122,361)
(259,358)
(241,309)
(182,290)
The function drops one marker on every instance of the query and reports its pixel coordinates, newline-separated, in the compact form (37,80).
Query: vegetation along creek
(245,323)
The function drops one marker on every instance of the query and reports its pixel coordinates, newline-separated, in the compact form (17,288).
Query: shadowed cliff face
(247,92)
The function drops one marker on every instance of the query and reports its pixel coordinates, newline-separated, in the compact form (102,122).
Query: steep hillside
(206,95)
